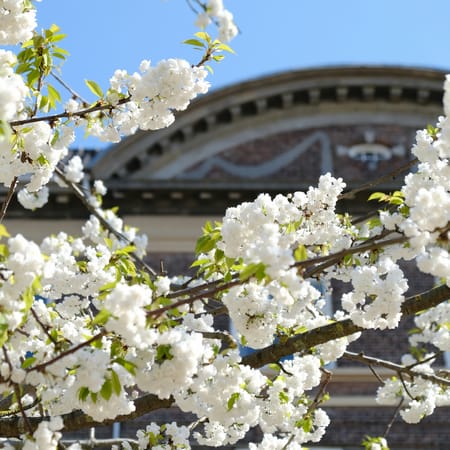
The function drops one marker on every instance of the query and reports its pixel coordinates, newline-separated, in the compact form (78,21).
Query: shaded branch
(398,368)
(69,115)
(303,342)
(77,420)
(9,196)
(388,177)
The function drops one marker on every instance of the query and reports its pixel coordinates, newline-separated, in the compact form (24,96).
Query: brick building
(275,134)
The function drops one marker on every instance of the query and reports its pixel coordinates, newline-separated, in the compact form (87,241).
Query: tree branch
(369,360)
(388,177)
(77,420)
(91,209)
(68,115)
(303,342)
(9,196)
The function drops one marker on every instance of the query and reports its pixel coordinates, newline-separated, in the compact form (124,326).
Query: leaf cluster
(213,49)
(36,61)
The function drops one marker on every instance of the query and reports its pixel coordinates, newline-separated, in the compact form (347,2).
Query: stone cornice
(322,94)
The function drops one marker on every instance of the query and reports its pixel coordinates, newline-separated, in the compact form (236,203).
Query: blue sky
(276,35)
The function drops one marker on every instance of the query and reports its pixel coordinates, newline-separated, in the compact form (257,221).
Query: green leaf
(57,37)
(255,269)
(380,196)
(94,87)
(83,393)
(3,328)
(102,317)
(203,35)
(127,365)
(28,362)
(107,389)
(53,95)
(205,244)
(3,231)
(163,353)
(200,262)
(195,43)
(115,381)
(300,253)
(232,400)
(284,398)
(53,28)
(224,47)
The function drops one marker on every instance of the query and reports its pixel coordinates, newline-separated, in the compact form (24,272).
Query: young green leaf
(94,87)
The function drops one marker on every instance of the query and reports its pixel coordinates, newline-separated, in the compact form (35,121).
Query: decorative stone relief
(371,152)
(268,167)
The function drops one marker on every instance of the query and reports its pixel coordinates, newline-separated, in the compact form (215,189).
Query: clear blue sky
(276,35)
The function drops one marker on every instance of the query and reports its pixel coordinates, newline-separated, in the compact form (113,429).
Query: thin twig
(73,92)
(399,369)
(99,106)
(9,195)
(157,312)
(336,257)
(375,374)
(42,366)
(17,393)
(94,211)
(390,176)
(44,328)
(394,416)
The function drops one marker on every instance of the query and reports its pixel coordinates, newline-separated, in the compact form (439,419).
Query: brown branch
(42,366)
(336,257)
(77,420)
(91,209)
(44,327)
(68,115)
(388,177)
(191,299)
(398,368)
(66,86)
(9,196)
(303,342)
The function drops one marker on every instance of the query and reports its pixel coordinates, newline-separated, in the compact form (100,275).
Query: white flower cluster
(427,195)
(377,296)
(159,437)
(33,200)
(215,11)
(46,436)
(17,22)
(155,93)
(268,230)
(285,395)
(13,91)
(433,327)
(33,158)
(420,396)
(257,310)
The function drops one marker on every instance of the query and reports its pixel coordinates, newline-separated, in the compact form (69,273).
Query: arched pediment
(262,128)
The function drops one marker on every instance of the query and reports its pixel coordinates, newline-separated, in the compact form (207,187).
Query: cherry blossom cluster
(214,10)
(13,91)
(154,94)
(17,21)
(420,396)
